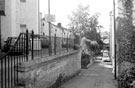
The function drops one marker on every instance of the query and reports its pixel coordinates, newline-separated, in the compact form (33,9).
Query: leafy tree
(82,21)
(79,19)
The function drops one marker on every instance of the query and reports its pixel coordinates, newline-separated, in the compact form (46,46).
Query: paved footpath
(98,75)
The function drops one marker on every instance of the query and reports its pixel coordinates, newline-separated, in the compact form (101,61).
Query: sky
(63,8)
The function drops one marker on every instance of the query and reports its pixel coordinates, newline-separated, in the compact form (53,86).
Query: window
(22,0)
(43,24)
(23,27)
(55,30)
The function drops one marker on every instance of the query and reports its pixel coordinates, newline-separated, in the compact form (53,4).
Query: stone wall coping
(26,66)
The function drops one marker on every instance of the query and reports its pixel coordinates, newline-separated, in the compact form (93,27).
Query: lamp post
(50,46)
(0,35)
(110,36)
(115,69)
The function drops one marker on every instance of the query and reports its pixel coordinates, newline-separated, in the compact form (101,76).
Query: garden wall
(49,72)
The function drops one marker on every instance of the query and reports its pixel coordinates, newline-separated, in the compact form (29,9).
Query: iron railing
(41,45)
(15,54)
(27,46)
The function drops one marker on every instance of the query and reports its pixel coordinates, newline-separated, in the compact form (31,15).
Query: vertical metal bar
(23,40)
(5,72)
(37,46)
(8,71)
(1,72)
(67,42)
(18,57)
(27,50)
(14,68)
(38,40)
(55,44)
(41,37)
(11,72)
(24,47)
(19,43)
(32,40)
(35,41)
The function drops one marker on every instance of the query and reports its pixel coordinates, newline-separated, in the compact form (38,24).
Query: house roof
(62,28)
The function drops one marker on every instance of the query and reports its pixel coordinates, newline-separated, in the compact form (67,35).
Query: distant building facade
(56,30)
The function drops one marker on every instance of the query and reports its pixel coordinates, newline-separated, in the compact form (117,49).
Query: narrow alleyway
(98,75)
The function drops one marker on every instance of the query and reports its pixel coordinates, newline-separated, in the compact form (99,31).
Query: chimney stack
(59,25)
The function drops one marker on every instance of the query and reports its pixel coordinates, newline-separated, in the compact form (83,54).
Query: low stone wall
(49,72)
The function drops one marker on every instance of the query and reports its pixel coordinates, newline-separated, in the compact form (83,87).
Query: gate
(17,52)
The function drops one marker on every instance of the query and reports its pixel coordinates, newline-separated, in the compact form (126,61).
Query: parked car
(106,57)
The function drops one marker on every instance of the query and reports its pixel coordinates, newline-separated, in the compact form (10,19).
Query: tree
(79,19)
(82,21)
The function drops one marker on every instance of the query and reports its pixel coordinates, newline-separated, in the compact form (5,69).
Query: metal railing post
(67,42)
(55,44)
(32,44)
(27,44)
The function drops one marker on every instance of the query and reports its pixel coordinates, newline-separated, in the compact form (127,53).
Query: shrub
(126,45)
(126,78)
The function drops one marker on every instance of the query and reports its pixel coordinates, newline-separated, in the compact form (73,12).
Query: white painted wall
(29,15)
(45,29)
(6,20)
(19,13)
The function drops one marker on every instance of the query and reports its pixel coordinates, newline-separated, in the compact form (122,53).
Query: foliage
(126,44)
(125,34)
(80,20)
(77,38)
(94,36)
(126,78)
(126,41)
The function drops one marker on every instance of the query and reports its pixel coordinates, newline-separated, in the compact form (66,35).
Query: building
(56,30)
(19,16)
